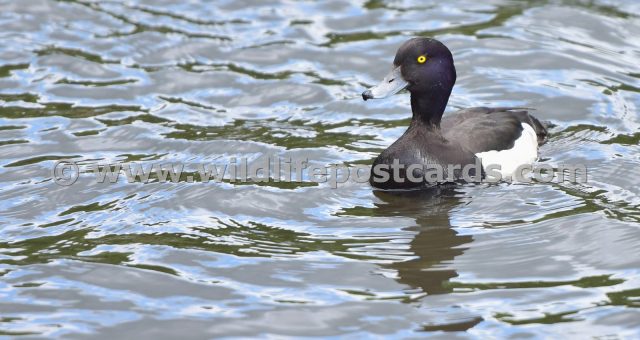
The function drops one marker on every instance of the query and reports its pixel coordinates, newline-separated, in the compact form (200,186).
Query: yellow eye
(422,59)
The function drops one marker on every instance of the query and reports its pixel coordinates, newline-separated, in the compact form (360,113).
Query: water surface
(150,81)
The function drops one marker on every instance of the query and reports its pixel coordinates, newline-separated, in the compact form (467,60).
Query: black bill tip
(367,95)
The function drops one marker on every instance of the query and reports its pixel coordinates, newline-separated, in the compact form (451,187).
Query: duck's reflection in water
(435,244)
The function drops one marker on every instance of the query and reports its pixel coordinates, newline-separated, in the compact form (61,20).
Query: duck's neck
(428,108)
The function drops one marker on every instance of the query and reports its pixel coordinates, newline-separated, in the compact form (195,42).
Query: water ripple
(158,81)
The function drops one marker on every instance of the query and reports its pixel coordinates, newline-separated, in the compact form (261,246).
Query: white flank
(524,151)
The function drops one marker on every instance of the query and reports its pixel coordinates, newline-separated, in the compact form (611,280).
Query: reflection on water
(435,244)
(198,82)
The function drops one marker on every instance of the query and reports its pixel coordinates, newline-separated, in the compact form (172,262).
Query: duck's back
(508,137)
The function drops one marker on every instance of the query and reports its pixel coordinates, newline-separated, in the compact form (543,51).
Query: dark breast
(426,148)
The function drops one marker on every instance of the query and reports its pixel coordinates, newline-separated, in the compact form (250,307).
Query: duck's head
(423,66)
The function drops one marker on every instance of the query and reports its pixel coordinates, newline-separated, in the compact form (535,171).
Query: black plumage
(425,68)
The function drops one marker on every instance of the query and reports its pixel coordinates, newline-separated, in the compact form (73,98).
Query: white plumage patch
(524,151)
